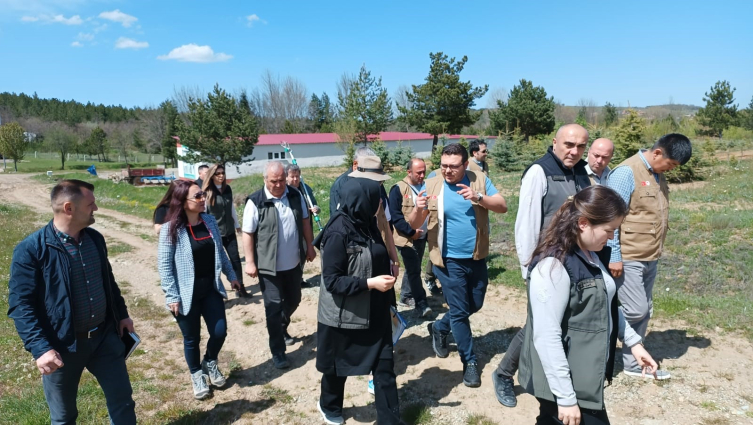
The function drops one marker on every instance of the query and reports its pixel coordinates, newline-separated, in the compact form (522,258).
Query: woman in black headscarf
(354,335)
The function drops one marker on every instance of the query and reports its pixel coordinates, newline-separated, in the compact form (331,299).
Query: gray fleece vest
(589,346)
(561,182)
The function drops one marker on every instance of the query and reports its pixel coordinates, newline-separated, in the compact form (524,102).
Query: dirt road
(712,372)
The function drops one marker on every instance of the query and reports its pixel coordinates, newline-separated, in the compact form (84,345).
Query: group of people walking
(588,240)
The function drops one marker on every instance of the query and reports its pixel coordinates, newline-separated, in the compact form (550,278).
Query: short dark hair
(456,149)
(675,146)
(68,190)
(203,167)
(292,168)
(475,145)
(409,165)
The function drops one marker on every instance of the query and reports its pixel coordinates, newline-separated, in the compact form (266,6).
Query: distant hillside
(17,106)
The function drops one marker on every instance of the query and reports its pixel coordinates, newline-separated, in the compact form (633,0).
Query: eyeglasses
(484,151)
(219,174)
(452,167)
(200,195)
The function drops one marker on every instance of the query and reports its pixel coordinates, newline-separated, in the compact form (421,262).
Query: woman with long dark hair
(573,319)
(160,212)
(190,259)
(354,334)
(220,204)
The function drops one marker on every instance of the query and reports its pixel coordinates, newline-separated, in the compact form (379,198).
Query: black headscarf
(359,201)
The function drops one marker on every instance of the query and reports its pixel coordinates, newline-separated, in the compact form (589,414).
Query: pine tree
(629,136)
(610,114)
(367,105)
(719,112)
(528,110)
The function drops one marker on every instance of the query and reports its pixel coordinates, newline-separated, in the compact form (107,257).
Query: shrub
(400,155)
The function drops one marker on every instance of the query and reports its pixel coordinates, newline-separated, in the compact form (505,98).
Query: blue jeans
(212,308)
(104,357)
(412,285)
(464,284)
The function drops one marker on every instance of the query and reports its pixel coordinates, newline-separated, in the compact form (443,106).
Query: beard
(91,220)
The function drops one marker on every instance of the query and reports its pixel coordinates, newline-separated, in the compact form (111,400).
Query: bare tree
(590,107)
(182,94)
(278,100)
(400,100)
(344,84)
(496,95)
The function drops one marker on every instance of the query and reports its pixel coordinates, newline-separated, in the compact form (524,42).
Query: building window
(277,155)
(269,155)
(282,155)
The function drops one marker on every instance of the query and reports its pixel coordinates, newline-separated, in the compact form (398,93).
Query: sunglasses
(219,174)
(484,151)
(200,195)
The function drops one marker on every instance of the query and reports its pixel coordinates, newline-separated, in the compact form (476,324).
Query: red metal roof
(312,138)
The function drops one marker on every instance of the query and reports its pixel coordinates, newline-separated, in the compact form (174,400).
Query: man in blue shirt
(457,204)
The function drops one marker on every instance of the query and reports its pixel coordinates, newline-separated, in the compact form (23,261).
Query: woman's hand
(644,359)
(569,415)
(381,283)
(174,308)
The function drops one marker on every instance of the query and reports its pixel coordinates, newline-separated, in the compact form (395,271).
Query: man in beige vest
(479,152)
(457,204)
(638,243)
(599,156)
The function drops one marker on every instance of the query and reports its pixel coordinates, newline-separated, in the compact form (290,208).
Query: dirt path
(712,373)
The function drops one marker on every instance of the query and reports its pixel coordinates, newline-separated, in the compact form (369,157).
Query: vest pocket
(640,233)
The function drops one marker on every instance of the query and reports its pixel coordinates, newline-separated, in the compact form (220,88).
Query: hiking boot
(211,370)
(407,302)
(200,387)
(438,342)
(661,375)
(503,389)
(471,377)
(328,418)
(280,361)
(289,340)
(432,287)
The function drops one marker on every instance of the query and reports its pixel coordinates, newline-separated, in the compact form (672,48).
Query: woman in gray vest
(220,205)
(354,334)
(573,320)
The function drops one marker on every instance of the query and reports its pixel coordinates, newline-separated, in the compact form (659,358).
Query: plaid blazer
(176,268)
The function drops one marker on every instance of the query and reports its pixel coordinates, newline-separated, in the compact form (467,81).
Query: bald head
(569,144)
(416,171)
(600,154)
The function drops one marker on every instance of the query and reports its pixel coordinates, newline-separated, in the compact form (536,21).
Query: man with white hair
(599,155)
(277,237)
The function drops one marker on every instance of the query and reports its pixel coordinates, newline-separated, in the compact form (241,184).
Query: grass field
(704,275)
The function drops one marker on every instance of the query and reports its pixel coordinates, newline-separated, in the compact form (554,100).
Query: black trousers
(385,393)
(412,285)
(230,243)
(509,364)
(548,415)
(282,295)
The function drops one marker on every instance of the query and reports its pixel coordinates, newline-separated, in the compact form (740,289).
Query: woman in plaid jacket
(190,259)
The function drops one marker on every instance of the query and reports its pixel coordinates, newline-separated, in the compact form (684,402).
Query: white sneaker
(200,387)
(329,419)
(661,375)
(213,372)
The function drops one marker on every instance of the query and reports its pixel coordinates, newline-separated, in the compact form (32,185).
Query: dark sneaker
(503,389)
(432,287)
(407,302)
(471,377)
(423,310)
(438,342)
(211,370)
(280,361)
(289,340)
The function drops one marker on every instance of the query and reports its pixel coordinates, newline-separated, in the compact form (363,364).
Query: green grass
(416,414)
(114,249)
(35,165)
(479,420)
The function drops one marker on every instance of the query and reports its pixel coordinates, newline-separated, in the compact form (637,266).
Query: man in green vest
(457,204)
(639,242)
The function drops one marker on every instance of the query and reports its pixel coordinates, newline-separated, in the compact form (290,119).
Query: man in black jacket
(67,308)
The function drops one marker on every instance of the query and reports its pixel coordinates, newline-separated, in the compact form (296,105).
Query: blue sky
(135,52)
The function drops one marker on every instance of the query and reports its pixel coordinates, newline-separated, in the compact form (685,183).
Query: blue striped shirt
(622,180)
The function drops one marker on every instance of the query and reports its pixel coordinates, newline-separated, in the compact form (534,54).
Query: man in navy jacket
(67,308)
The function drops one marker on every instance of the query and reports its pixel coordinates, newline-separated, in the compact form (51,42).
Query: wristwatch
(480,197)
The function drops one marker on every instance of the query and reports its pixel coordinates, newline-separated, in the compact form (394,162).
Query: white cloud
(195,53)
(129,43)
(254,18)
(85,36)
(117,16)
(56,19)
(100,28)
(76,44)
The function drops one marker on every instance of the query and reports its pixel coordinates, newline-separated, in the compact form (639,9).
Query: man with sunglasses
(479,152)
(457,205)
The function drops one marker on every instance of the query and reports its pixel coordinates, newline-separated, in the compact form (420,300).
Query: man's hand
(569,415)
(49,362)
(418,234)
(125,324)
(616,269)
(238,230)
(251,269)
(644,360)
(421,202)
(315,209)
(467,193)
(174,308)
(310,253)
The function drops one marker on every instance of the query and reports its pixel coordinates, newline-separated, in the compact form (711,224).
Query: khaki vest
(406,192)
(643,232)
(434,187)
(473,166)
(383,225)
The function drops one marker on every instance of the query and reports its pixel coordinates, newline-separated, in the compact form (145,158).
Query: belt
(91,333)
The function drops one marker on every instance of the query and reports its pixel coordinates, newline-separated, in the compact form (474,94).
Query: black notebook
(131,341)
